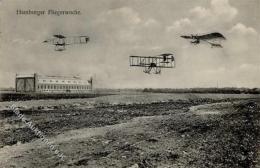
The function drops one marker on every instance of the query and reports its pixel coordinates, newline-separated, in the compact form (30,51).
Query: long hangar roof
(53,79)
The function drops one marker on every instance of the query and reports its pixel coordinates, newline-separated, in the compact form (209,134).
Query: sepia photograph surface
(130,83)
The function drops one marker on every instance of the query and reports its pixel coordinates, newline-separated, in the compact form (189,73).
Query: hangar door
(25,85)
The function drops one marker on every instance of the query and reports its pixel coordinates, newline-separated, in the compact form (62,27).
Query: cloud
(218,10)
(243,44)
(240,28)
(223,9)
(201,19)
(151,22)
(179,24)
(124,15)
(127,27)
(251,67)
(121,24)
(200,12)
(19,41)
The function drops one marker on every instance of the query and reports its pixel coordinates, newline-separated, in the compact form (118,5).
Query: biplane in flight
(214,39)
(153,63)
(60,41)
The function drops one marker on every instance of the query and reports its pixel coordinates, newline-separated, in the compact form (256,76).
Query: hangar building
(51,84)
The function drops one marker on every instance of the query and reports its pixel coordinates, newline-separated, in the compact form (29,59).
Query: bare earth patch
(192,133)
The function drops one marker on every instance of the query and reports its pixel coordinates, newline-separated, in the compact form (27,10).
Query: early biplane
(60,41)
(153,63)
(214,39)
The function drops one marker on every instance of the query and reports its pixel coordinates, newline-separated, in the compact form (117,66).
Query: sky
(120,28)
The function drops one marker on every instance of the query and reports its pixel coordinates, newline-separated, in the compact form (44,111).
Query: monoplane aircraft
(213,39)
(153,63)
(60,41)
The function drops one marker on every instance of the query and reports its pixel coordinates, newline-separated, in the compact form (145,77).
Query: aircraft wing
(145,61)
(214,44)
(59,36)
(187,37)
(212,36)
(51,41)
(77,40)
(166,54)
(55,41)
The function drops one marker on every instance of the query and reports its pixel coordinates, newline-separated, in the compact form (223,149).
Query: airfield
(135,130)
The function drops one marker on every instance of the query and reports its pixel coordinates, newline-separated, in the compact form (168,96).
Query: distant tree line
(7,89)
(229,90)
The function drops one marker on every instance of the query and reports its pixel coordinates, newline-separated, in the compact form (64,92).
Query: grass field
(135,130)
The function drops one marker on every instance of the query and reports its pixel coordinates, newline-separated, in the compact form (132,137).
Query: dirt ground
(176,133)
